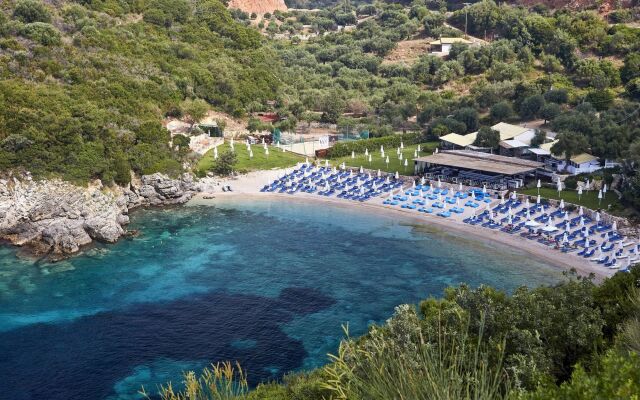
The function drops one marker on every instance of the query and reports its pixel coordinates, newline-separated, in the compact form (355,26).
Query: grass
(260,161)
(588,199)
(377,162)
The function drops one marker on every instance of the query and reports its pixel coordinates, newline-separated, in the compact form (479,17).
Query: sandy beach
(249,185)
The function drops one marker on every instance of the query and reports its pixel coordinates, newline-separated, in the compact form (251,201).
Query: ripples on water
(268,283)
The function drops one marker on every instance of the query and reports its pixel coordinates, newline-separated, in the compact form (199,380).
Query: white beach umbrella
(413,184)
(502,201)
(460,187)
(614,227)
(581,222)
(542,209)
(559,185)
(250,153)
(528,214)
(509,212)
(306,161)
(386,180)
(579,193)
(406,163)
(531,224)
(606,237)
(326,163)
(266,151)
(398,150)
(538,200)
(484,188)
(353,154)
(510,220)
(526,203)
(604,190)
(439,183)
(539,184)
(370,159)
(436,152)
(567,227)
(562,204)
(378,174)
(366,152)
(600,196)
(387,161)
(419,148)
(215,153)
(566,216)
(565,238)
(598,218)
(382,149)
(514,195)
(423,181)
(397,175)
(361,169)
(549,228)
(580,211)
(457,202)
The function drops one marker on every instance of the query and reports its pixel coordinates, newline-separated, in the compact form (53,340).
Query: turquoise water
(265,282)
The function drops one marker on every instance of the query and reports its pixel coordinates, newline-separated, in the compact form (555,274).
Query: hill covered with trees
(85,85)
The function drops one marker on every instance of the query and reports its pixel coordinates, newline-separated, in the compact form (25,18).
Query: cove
(266,282)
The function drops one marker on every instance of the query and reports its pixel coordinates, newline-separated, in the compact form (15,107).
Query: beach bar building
(475,168)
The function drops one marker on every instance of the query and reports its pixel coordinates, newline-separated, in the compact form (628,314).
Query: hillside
(84,88)
(258,6)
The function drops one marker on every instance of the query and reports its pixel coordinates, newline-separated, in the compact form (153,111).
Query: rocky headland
(56,218)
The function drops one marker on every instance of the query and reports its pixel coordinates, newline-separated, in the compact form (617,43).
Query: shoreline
(556,259)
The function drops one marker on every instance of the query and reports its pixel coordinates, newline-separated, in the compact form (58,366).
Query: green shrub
(43,33)
(29,11)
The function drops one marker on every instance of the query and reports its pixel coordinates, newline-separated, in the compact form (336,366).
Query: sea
(265,282)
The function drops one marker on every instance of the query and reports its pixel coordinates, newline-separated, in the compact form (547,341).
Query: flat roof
(449,40)
(478,161)
(548,146)
(508,131)
(583,158)
(512,144)
(460,140)
(540,152)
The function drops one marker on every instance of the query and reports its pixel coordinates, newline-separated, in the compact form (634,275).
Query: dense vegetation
(575,340)
(85,84)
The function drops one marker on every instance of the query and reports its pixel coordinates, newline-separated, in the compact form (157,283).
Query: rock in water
(56,217)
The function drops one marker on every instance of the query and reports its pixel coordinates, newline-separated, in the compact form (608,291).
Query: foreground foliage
(575,340)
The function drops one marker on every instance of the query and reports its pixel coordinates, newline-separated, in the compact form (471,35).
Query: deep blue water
(264,282)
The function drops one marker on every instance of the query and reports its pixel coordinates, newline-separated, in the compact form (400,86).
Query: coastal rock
(57,218)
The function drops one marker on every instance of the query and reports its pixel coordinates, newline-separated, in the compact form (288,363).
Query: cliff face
(258,6)
(58,218)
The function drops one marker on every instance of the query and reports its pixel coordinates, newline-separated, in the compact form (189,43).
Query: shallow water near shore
(261,281)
